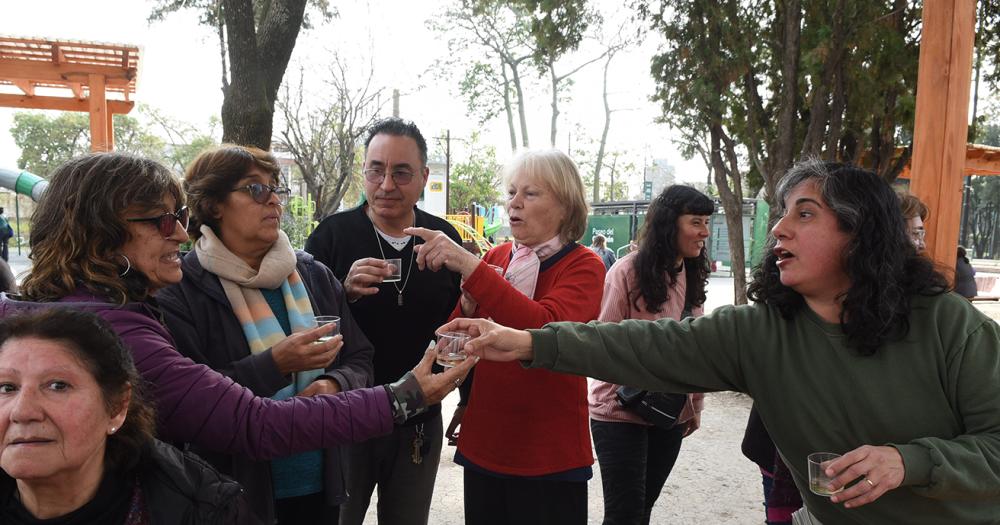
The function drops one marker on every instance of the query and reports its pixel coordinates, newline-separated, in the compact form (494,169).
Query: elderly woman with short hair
(244,291)
(525,440)
(76,435)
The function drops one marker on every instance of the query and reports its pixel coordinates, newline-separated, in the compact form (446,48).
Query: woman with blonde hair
(525,441)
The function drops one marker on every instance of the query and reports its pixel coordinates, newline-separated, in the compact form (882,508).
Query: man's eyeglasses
(261,193)
(400,177)
(167,223)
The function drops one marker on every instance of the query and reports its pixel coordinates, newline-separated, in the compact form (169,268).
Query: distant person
(6,232)
(852,346)
(965,276)
(599,245)
(524,441)
(7,281)
(398,316)
(664,279)
(915,213)
(76,434)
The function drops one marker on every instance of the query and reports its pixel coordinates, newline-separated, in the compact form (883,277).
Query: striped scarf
(242,285)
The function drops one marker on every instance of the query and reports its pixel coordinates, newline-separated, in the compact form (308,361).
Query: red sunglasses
(167,223)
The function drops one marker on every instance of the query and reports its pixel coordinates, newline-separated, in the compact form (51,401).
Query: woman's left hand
(693,424)
(881,469)
(323,385)
(439,251)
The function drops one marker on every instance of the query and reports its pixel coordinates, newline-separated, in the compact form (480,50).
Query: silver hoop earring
(128,265)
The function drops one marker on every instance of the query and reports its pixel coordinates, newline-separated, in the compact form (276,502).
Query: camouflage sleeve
(407,398)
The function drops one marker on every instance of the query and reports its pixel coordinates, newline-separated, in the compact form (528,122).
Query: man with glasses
(398,316)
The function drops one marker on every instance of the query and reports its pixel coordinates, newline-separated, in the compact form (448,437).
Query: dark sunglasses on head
(261,193)
(167,223)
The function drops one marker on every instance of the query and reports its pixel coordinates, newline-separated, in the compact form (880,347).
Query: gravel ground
(711,483)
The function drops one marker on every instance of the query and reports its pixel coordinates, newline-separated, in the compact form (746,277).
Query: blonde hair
(559,173)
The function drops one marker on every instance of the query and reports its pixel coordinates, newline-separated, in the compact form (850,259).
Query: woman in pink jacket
(665,277)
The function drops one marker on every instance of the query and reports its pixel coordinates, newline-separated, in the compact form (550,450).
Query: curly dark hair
(658,249)
(91,340)
(79,226)
(211,176)
(880,260)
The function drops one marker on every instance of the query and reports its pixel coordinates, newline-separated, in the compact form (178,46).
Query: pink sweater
(617,306)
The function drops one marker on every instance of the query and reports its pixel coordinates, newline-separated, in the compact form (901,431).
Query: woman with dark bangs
(665,278)
(854,347)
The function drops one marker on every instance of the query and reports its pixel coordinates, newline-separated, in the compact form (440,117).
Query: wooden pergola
(940,155)
(70,76)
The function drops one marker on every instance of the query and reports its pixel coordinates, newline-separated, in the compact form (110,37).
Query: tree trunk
(257,62)
(732,203)
(555,103)
(520,103)
(789,95)
(507,107)
(604,135)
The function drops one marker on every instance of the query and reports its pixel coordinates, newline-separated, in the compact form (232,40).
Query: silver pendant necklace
(378,241)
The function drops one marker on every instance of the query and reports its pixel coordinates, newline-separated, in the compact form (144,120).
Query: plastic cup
(449,348)
(819,482)
(396,265)
(323,320)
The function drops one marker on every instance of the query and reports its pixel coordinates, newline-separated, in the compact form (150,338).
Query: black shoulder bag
(656,408)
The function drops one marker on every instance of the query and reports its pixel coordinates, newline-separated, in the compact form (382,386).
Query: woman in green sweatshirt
(853,346)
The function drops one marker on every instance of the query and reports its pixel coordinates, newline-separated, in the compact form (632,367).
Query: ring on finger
(870,483)
(458,383)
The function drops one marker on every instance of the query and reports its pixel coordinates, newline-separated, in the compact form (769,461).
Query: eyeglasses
(918,235)
(261,193)
(400,177)
(167,223)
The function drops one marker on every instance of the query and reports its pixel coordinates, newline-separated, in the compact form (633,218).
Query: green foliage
(298,221)
(47,140)
(475,180)
(557,26)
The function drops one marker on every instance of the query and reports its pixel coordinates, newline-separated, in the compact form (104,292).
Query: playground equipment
(24,183)
(478,226)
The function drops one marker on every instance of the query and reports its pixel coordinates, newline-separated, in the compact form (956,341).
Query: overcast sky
(180,72)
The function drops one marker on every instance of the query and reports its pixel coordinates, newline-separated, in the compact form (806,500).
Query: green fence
(620,222)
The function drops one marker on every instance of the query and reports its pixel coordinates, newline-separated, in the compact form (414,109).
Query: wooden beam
(983,166)
(942,120)
(57,54)
(98,115)
(77,89)
(111,131)
(115,107)
(45,72)
(27,87)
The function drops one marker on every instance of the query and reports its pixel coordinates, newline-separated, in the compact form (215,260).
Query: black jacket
(201,320)
(178,488)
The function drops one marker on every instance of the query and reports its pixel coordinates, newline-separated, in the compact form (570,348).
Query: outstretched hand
(492,341)
(881,469)
(436,387)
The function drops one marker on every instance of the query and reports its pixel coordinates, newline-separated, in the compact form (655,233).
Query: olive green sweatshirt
(934,395)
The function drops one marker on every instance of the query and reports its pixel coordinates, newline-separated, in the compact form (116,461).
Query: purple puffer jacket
(196,404)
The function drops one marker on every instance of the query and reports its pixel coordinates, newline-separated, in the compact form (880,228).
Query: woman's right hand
(492,341)
(364,276)
(303,351)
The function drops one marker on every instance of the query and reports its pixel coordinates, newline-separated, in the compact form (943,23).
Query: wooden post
(942,120)
(98,106)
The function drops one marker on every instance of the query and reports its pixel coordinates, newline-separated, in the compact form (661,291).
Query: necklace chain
(378,241)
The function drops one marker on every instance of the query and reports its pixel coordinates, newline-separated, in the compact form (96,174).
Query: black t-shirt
(110,505)
(400,334)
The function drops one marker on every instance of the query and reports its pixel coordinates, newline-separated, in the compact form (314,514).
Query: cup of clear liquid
(819,482)
(323,320)
(396,265)
(450,347)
